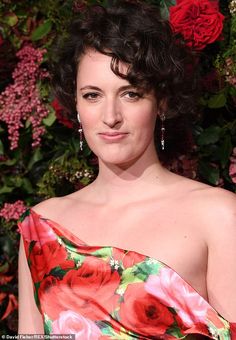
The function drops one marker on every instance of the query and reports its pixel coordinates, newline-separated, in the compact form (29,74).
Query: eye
(132,95)
(91,96)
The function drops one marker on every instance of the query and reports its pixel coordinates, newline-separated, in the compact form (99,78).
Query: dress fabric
(103,292)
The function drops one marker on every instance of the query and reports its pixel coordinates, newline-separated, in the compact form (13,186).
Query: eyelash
(136,94)
(89,94)
(92,96)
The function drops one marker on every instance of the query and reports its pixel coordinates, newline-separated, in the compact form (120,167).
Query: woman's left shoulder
(217,209)
(217,221)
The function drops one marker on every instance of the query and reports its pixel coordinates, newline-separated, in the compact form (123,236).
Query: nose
(112,114)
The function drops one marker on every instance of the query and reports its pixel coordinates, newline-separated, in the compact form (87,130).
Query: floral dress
(111,293)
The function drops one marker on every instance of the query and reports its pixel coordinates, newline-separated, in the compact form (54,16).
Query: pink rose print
(70,322)
(35,228)
(174,292)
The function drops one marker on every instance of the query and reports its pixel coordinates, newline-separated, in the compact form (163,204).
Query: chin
(118,160)
(121,156)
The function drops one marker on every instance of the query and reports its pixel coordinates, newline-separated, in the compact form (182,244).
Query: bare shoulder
(214,207)
(218,202)
(56,207)
(217,214)
(48,206)
(217,210)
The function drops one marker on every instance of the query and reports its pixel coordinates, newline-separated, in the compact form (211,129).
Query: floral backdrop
(39,146)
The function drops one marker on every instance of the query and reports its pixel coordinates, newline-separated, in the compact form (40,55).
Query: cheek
(146,121)
(88,117)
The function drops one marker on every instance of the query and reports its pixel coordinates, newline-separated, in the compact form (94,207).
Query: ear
(162,106)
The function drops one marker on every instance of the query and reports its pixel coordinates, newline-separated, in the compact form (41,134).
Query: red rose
(43,258)
(233,330)
(36,228)
(199,21)
(61,114)
(89,291)
(126,258)
(143,313)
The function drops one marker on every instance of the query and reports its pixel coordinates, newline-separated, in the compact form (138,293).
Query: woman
(141,252)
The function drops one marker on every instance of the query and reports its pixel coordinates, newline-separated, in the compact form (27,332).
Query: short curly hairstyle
(133,33)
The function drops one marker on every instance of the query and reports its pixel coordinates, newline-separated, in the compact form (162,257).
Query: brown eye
(132,95)
(91,96)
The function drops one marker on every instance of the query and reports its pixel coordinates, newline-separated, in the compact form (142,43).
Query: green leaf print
(47,325)
(147,268)
(175,332)
(76,257)
(36,296)
(103,253)
(58,272)
(219,333)
(128,276)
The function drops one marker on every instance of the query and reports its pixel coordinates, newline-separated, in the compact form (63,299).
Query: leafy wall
(39,146)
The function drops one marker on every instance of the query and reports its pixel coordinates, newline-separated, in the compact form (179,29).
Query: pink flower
(70,322)
(21,102)
(34,228)
(13,211)
(232,172)
(174,292)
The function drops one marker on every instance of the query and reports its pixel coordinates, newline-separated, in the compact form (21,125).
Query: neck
(131,181)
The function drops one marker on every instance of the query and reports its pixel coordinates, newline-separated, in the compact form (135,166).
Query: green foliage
(41,31)
(57,167)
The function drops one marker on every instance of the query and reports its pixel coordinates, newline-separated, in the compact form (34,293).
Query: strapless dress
(103,292)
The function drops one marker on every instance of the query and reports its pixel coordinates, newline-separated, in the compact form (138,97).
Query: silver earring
(162,117)
(81,142)
(80,130)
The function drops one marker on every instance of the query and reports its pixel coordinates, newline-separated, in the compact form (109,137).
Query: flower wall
(39,146)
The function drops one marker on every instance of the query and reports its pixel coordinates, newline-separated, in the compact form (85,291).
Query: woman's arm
(30,319)
(221,273)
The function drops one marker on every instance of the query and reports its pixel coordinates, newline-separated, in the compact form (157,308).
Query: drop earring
(81,142)
(162,117)
(80,130)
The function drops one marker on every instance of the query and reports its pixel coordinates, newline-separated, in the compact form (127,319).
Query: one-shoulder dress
(104,292)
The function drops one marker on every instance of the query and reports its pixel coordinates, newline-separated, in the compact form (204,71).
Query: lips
(112,136)
(112,133)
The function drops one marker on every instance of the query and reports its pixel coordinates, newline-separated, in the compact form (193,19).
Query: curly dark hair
(133,33)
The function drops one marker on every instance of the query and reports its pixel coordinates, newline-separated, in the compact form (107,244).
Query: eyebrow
(91,87)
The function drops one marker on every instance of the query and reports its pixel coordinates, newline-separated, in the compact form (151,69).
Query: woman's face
(118,120)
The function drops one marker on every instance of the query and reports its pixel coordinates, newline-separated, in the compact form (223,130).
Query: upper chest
(169,234)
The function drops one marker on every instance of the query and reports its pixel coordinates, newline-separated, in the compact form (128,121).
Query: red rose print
(143,313)
(126,259)
(89,291)
(233,330)
(199,21)
(169,288)
(46,257)
(46,284)
(36,228)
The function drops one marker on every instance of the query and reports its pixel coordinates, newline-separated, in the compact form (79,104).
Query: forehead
(94,65)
